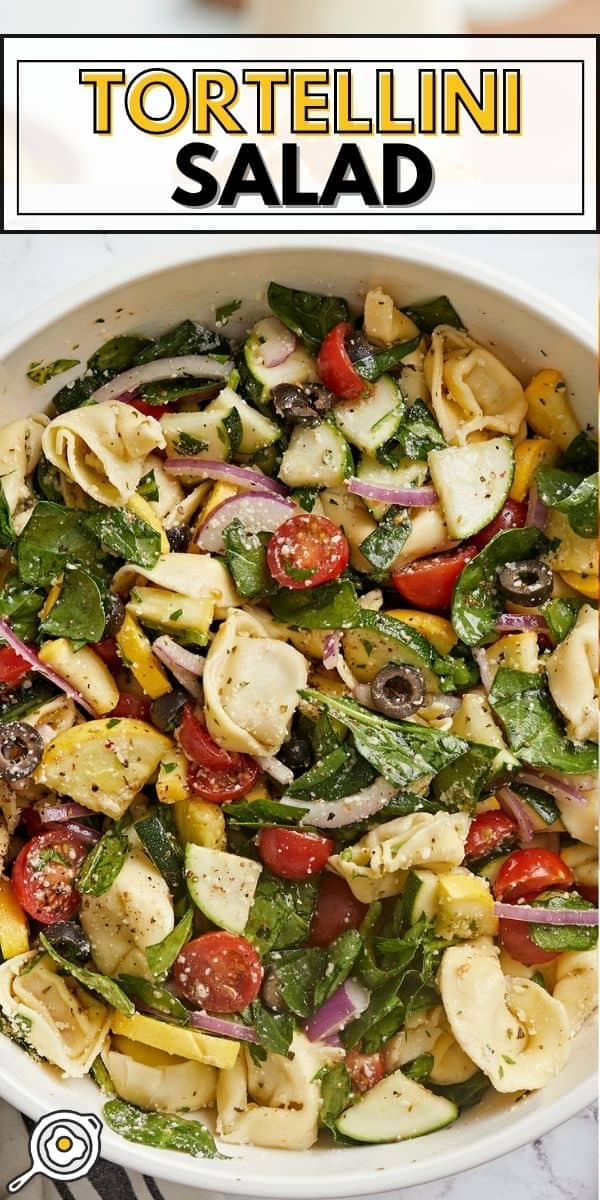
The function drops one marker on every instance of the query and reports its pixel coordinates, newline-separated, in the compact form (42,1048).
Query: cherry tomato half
(489,831)
(429,582)
(517,941)
(589,892)
(306,551)
(336,910)
(365,1070)
(526,873)
(12,666)
(44,875)
(200,747)
(336,367)
(107,651)
(147,410)
(219,786)
(219,972)
(129,705)
(293,855)
(512,516)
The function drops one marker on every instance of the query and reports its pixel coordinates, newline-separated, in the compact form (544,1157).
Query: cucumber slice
(317,457)
(408,473)
(395,1109)
(221,885)
(257,431)
(472,482)
(370,422)
(298,368)
(419,897)
(490,869)
(367,650)
(196,435)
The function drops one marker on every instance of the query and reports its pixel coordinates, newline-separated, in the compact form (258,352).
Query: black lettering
(209,188)
(349,159)
(392,175)
(290,171)
(259,183)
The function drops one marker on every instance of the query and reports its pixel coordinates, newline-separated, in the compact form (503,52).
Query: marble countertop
(34,268)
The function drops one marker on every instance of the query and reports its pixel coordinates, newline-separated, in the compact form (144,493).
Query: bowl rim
(527,1127)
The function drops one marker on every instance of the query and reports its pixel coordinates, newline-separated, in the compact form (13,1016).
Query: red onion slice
(555,786)
(518,622)
(85,832)
(537,513)
(276,769)
(183,664)
(259,512)
(277,342)
(195,366)
(37,665)
(62,812)
(418,497)
(512,804)
(331,649)
(485,670)
(325,814)
(229,1029)
(349,1001)
(546,916)
(208,468)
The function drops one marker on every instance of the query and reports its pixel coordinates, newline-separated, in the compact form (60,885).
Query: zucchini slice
(395,1109)
(408,473)
(196,435)
(221,885)
(472,482)
(257,430)
(316,457)
(298,368)
(370,422)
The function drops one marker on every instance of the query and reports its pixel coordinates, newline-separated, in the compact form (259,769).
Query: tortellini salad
(298,724)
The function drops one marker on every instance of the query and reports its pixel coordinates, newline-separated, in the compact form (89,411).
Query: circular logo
(63,1145)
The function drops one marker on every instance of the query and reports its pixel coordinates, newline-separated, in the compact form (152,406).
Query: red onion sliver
(216,1025)
(418,497)
(331,649)
(554,786)
(546,916)
(335,814)
(185,666)
(362,693)
(485,670)
(278,344)
(537,513)
(512,804)
(276,769)
(85,832)
(195,366)
(258,511)
(518,622)
(208,468)
(349,1001)
(36,664)
(62,812)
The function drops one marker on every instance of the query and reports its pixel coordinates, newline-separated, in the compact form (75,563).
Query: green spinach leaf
(418,434)
(374,363)
(187,338)
(576,497)
(147,487)
(106,988)
(26,699)
(78,613)
(466,1094)
(161,955)
(420,1067)
(118,354)
(341,773)
(103,863)
(155,997)
(246,557)
(126,535)
(331,606)
(274,1030)
(53,538)
(524,706)
(308,315)
(20,606)
(581,455)
(47,481)
(459,786)
(256,814)
(281,912)
(477,601)
(7,532)
(160,1130)
(225,311)
(305,497)
(558,938)
(561,615)
(382,547)
(336,1094)
(41,372)
(428,314)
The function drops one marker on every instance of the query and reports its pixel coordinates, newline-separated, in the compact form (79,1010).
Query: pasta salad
(298,725)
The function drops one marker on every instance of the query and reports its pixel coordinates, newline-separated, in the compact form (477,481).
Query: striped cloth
(104,1182)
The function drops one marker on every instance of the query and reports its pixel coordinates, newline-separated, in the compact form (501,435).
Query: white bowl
(528,332)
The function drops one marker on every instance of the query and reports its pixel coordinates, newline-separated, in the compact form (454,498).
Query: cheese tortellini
(52,1014)
(155,1080)
(572,670)
(471,390)
(133,913)
(428,1032)
(196,575)
(376,866)
(251,685)
(20,450)
(275,1103)
(576,985)
(515,1032)
(103,448)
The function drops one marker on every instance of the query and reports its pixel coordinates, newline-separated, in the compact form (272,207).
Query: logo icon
(63,1145)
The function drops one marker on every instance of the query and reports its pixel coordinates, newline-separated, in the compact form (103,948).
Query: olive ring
(398,690)
(21,749)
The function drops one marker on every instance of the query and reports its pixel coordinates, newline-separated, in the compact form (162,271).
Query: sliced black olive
(297,754)
(21,749)
(301,405)
(270,992)
(166,712)
(357,346)
(116,616)
(528,582)
(178,538)
(70,940)
(398,691)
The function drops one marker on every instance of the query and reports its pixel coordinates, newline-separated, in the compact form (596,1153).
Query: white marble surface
(34,268)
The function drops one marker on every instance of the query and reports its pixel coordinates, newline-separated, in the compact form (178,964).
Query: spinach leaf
(7,532)
(401,751)
(225,311)
(155,997)
(308,977)
(341,773)
(466,1094)
(428,314)
(163,848)
(331,606)
(569,494)
(186,338)
(41,372)
(274,1030)
(168,391)
(581,455)
(308,315)
(53,538)
(323,733)
(305,497)
(232,431)
(76,394)
(103,863)
(47,481)
(374,363)
(106,988)
(524,706)
(540,802)
(118,354)
(148,487)
(161,955)
(418,434)
(255,814)
(383,545)
(186,444)
(477,601)
(459,786)
(246,557)
(281,912)
(160,1130)
(558,938)
(78,613)
(420,1067)
(25,699)
(20,607)
(338,961)
(561,615)
(126,535)
(336,1094)
(101,1077)
(401,969)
